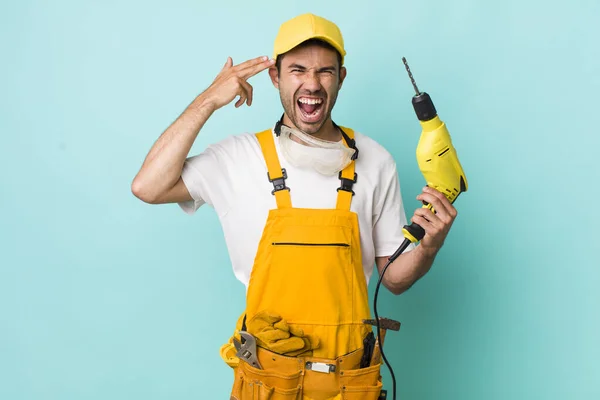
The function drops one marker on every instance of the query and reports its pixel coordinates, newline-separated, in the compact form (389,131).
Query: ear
(343,73)
(274,74)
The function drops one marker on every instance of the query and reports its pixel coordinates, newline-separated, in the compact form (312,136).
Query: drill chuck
(421,102)
(424,107)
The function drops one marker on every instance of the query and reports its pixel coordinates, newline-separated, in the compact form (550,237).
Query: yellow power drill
(436,156)
(438,162)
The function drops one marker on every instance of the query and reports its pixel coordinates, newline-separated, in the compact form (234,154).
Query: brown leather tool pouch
(266,384)
(290,378)
(363,383)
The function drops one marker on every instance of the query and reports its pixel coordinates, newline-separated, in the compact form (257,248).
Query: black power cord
(397,253)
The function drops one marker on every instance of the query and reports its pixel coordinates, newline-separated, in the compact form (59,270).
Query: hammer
(384,325)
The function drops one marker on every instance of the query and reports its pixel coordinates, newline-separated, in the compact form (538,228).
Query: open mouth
(310,108)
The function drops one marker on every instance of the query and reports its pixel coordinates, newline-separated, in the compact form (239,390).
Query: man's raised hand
(232,82)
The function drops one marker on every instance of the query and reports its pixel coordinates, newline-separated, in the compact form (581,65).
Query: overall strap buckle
(346,184)
(278,183)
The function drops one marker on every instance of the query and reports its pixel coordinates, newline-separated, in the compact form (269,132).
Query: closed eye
(296,68)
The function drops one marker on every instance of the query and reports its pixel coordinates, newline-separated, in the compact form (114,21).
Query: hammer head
(384,323)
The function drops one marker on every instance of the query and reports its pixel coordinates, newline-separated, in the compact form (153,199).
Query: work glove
(228,354)
(273,333)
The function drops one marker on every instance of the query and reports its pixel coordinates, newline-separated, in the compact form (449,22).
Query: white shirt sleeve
(207,179)
(389,214)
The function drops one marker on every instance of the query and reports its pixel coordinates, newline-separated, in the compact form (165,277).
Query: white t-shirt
(231,176)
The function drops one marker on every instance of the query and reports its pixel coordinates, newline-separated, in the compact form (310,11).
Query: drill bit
(412,80)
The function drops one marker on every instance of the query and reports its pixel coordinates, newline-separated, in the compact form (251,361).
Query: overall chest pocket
(315,268)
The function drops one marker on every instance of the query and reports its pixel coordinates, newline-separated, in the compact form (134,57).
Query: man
(307,208)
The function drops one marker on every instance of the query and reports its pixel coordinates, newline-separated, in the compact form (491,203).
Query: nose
(312,81)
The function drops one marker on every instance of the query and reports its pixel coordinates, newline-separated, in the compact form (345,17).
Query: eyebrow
(301,67)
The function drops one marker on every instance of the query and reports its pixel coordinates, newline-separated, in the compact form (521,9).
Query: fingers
(428,216)
(435,229)
(245,93)
(228,64)
(440,203)
(255,68)
(249,68)
(423,222)
(231,81)
(249,90)
(242,99)
(436,225)
(252,63)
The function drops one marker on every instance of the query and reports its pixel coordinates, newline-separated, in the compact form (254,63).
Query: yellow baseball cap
(308,26)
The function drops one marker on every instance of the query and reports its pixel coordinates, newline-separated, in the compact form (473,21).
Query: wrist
(204,103)
(427,251)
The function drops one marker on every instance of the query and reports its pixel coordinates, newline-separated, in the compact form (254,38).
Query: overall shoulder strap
(275,174)
(347,175)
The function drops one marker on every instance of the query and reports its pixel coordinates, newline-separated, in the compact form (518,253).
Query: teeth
(310,101)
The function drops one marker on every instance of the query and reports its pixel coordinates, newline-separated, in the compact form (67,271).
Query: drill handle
(413,232)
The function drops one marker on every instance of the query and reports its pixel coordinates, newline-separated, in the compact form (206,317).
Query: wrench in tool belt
(247,350)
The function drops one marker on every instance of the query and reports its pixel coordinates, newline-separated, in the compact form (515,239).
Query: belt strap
(275,173)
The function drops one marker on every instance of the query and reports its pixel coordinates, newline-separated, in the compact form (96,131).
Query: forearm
(408,268)
(162,166)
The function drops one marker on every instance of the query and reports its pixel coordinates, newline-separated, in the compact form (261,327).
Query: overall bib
(307,278)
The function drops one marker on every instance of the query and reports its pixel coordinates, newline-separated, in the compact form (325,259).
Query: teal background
(103,296)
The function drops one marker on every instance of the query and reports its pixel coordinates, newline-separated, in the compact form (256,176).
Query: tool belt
(264,373)
(286,378)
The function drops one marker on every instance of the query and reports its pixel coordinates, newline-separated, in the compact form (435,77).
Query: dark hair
(311,42)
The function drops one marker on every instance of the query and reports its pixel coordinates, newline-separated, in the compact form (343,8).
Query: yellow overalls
(307,272)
